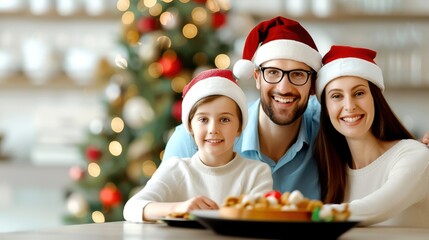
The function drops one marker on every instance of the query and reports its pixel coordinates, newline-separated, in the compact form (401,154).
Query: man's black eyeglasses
(274,75)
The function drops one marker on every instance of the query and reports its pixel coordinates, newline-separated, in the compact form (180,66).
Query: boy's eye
(202,119)
(224,120)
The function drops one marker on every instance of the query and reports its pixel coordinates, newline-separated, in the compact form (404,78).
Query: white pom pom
(243,69)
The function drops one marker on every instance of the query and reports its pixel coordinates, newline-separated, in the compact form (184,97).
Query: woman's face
(350,106)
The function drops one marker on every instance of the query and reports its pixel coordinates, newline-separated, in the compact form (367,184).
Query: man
(284,121)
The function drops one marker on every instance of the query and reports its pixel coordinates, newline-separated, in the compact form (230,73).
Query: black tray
(271,229)
(184,223)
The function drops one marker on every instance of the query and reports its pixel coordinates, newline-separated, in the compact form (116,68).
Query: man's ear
(257,79)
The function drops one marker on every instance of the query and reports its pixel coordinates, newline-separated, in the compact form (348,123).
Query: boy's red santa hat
(212,82)
(278,38)
(348,61)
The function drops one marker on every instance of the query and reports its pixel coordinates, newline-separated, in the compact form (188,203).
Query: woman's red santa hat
(348,61)
(278,38)
(212,82)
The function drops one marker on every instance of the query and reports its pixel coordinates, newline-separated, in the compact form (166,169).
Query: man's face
(283,102)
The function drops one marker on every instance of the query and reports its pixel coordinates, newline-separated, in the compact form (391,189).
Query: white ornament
(147,49)
(112,91)
(121,62)
(77,205)
(137,111)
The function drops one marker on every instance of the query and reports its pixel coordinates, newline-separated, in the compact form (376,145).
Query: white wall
(45,126)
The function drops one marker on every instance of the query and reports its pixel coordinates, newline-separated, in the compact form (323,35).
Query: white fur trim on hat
(288,49)
(213,86)
(348,67)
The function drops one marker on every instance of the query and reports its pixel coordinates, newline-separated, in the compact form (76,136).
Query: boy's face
(283,102)
(215,126)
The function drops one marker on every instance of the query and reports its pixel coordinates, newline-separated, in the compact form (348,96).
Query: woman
(366,157)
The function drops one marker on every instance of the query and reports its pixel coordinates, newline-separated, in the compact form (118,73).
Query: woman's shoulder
(413,145)
(414,149)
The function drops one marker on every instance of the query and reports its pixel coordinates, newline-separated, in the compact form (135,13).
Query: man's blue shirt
(295,170)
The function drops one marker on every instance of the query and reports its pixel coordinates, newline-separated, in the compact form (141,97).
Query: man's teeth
(283,100)
(352,119)
(214,141)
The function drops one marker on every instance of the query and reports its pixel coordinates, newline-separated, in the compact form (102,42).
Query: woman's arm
(406,184)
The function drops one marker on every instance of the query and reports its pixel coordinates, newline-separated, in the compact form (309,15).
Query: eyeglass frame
(309,73)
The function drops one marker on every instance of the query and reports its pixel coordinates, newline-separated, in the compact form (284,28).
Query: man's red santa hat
(348,61)
(278,38)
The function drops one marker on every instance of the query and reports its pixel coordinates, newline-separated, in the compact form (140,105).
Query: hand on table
(195,203)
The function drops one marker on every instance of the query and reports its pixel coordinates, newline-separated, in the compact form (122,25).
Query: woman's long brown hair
(332,153)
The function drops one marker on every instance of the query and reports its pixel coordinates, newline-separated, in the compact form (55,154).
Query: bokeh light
(117,124)
(190,31)
(178,83)
(222,61)
(154,70)
(155,10)
(98,217)
(94,170)
(123,5)
(149,3)
(164,42)
(115,148)
(199,15)
(148,168)
(128,17)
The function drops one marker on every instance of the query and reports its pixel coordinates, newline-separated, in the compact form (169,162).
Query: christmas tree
(165,44)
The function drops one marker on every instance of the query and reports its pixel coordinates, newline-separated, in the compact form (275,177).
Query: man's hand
(425,139)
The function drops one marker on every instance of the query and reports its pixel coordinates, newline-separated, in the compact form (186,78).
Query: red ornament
(176,110)
(76,173)
(171,66)
(110,196)
(219,19)
(93,153)
(147,24)
(276,194)
(200,1)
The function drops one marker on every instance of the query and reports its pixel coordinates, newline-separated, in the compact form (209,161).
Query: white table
(134,231)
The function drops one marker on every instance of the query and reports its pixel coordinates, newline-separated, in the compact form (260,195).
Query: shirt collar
(250,135)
